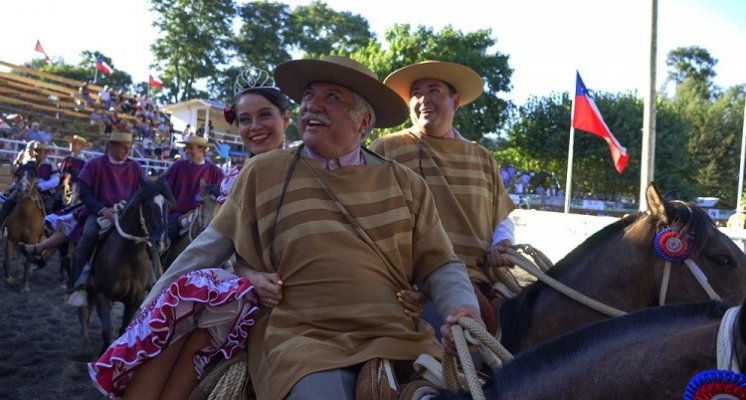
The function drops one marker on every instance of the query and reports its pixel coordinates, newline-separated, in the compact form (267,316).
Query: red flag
(40,49)
(586,117)
(154,82)
(102,66)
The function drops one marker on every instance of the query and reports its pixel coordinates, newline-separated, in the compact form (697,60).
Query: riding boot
(84,249)
(7,207)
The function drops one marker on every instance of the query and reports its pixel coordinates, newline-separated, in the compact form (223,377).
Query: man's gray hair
(359,109)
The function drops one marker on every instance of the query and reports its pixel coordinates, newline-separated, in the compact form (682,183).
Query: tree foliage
(693,65)
(85,70)
(194,36)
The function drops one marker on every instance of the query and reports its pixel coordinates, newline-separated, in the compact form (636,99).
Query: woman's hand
(268,285)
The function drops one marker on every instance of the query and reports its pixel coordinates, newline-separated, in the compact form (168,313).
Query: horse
(25,223)
(202,216)
(622,266)
(121,267)
(649,354)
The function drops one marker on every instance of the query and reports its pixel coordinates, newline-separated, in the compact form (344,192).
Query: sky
(546,40)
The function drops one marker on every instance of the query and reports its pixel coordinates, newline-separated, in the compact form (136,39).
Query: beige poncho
(466,184)
(340,274)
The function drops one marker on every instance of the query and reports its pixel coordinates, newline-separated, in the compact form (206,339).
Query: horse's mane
(149,189)
(692,221)
(598,337)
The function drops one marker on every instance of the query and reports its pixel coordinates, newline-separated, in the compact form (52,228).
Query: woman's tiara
(253,78)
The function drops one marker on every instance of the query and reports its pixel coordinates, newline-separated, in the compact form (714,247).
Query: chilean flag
(102,66)
(586,117)
(155,82)
(40,49)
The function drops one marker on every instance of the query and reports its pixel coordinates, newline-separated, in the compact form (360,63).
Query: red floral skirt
(214,299)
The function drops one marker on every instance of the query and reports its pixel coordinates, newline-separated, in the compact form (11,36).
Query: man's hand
(413,302)
(495,256)
(452,319)
(108,213)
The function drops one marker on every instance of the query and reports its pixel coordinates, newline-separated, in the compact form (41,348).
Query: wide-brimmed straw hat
(121,137)
(468,84)
(293,77)
(195,139)
(78,139)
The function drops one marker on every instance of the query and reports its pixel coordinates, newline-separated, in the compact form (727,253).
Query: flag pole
(647,156)
(568,183)
(95,74)
(739,198)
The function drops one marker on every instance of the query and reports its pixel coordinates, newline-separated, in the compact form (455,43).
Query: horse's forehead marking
(160,201)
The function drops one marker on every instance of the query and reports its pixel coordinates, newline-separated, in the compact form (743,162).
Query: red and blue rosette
(229,113)
(716,385)
(671,245)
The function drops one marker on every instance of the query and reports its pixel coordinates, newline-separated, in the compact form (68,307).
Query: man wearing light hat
(48,178)
(463,176)
(183,178)
(103,182)
(345,229)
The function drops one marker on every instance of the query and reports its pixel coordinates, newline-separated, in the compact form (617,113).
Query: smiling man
(345,229)
(463,176)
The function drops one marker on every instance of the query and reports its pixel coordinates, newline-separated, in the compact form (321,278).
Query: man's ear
(456,101)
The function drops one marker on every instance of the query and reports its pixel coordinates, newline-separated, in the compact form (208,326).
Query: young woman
(205,313)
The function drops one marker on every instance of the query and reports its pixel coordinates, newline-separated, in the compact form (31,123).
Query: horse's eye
(721,259)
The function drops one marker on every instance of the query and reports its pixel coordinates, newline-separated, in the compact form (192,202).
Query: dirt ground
(42,354)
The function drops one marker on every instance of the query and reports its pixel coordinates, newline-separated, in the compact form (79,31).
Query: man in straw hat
(463,176)
(48,178)
(184,177)
(345,229)
(104,181)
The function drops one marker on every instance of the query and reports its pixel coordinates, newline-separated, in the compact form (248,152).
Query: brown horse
(25,223)
(621,267)
(648,354)
(121,267)
(208,195)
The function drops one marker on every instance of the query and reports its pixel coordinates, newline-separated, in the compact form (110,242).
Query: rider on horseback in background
(463,176)
(71,165)
(47,181)
(104,181)
(183,179)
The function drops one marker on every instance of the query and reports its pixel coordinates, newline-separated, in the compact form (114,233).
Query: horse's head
(25,179)
(154,201)
(684,234)
(208,195)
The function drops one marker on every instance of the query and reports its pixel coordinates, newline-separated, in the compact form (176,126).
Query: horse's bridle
(136,239)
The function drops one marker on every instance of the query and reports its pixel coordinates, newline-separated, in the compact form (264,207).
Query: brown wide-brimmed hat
(121,137)
(293,77)
(196,139)
(78,139)
(468,84)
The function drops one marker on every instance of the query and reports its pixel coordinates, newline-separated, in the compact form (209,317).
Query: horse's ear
(656,203)
(671,195)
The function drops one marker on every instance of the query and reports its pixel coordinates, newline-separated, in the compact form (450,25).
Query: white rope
(701,278)
(664,283)
(122,233)
(725,354)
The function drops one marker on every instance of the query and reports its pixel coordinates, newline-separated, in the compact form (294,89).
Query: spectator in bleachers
(98,119)
(32,134)
(104,96)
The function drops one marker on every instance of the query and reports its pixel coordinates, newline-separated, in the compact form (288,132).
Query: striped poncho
(465,181)
(340,273)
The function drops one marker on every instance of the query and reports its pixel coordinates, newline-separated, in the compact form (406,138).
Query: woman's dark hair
(272,94)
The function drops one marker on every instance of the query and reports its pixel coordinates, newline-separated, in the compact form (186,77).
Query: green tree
(85,70)
(474,49)
(192,42)
(693,64)
(317,30)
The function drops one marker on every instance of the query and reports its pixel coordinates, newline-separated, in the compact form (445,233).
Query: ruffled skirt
(214,299)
